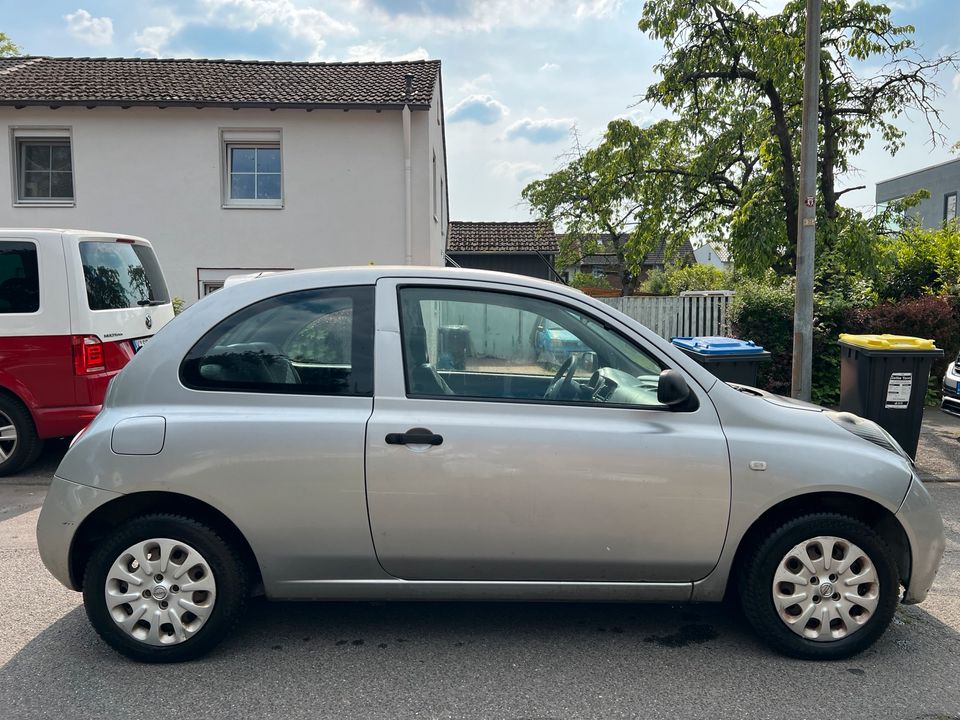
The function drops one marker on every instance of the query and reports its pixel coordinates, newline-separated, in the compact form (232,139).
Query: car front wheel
(164,588)
(820,587)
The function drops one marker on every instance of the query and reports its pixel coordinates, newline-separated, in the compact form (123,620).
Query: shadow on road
(486,660)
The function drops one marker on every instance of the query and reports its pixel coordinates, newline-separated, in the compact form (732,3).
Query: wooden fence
(692,313)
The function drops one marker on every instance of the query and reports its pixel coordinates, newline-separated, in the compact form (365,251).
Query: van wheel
(820,587)
(164,588)
(19,444)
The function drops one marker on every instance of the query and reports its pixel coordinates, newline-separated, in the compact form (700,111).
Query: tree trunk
(788,183)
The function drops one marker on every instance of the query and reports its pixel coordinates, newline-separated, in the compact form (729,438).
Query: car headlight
(868,430)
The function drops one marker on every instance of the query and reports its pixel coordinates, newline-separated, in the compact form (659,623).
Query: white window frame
(248,138)
(436,204)
(22,134)
(209,280)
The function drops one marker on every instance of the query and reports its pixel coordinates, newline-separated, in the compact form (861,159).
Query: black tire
(29,445)
(756,583)
(229,572)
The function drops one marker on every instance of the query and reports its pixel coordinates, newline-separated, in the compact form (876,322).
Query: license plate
(138,343)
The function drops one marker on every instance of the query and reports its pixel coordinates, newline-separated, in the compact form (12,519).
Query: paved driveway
(447,660)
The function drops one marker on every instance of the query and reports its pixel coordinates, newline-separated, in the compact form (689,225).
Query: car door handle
(414,436)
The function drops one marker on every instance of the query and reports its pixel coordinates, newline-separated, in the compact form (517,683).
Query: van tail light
(88,354)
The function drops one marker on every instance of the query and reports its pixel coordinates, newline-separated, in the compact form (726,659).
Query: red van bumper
(63,421)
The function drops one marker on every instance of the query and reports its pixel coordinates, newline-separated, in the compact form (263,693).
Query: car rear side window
(313,342)
(19,279)
(121,275)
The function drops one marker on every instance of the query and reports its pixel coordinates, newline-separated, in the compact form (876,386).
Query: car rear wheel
(164,588)
(19,444)
(820,587)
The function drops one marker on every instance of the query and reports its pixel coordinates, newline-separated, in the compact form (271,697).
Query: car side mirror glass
(672,388)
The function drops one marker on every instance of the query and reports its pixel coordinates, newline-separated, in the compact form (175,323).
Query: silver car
(307,436)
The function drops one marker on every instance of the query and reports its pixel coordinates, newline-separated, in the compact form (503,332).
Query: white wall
(157,173)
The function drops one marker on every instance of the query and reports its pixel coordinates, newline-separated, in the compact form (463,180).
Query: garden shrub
(697,277)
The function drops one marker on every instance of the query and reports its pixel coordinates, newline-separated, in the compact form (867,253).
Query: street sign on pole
(807,211)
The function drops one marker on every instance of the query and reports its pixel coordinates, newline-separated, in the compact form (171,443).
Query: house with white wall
(230,166)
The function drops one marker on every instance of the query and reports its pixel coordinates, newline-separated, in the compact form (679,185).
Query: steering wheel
(563,381)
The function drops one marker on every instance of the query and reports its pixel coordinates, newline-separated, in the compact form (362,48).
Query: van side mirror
(672,389)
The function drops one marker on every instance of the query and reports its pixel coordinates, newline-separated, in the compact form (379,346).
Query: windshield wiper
(144,303)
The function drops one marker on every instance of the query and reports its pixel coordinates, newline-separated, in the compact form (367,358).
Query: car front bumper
(66,506)
(951,392)
(921,521)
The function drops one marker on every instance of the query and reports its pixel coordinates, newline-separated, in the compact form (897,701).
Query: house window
(436,215)
(252,169)
(209,280)
(950,207)
(44,167)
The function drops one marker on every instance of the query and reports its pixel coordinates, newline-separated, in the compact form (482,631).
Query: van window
(19,280)
(121,275)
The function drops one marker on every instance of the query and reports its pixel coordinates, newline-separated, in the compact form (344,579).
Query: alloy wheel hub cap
(825,588)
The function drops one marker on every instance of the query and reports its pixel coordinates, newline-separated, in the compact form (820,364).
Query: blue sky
(518,75)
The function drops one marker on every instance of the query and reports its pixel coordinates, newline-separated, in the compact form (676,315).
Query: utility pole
(807,210)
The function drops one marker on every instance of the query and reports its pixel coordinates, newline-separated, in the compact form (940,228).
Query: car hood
(779,400)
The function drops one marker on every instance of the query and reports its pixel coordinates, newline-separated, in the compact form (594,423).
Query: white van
(75,306)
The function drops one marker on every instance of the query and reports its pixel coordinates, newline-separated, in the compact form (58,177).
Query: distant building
(606,265)
(708,254)
(524,248)
(943,183)
(229,167)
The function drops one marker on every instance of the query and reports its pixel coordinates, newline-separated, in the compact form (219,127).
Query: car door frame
(390,384)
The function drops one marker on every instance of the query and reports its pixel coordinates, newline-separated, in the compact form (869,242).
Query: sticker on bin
(898,390)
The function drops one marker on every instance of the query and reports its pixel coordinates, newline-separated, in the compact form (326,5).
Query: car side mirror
(672,389)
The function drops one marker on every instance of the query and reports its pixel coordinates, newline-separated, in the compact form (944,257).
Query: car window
(121,275)
(316,342)
(19,279)
(491,345)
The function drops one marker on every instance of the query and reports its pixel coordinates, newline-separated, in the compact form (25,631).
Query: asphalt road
(448,660)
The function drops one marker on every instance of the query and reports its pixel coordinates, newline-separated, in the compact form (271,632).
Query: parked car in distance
(293,435)
(75,306)
(554,343)
(951,388)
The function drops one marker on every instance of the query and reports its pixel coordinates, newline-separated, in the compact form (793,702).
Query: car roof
(38,232)
(370,274)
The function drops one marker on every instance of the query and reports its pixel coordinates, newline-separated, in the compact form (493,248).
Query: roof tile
(501,237)
(135,81)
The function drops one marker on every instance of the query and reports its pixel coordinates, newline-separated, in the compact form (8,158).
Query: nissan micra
(307,436)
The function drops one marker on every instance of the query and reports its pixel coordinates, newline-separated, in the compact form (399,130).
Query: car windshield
(121,275)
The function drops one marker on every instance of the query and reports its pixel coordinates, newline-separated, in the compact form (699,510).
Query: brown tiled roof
(516,237)
(201,83)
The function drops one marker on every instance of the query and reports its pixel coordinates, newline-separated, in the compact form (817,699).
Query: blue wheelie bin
(730,359)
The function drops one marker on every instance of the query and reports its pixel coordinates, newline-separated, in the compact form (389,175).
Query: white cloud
(520,170)
(416,19)
(549,67)
(956,82)
(377,52)
(481,109)
(94,30)
(598,9)
(152,40)
(307,23)
(480,84)
(540,132)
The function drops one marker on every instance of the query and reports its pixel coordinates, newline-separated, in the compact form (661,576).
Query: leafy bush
(177,303)
(930,317)
(656,283)
(697,277)
(588,280)
(921,262)
(762,311)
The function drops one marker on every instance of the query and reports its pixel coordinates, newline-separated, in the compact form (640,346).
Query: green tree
(734,79)
(7,47)
(622,197)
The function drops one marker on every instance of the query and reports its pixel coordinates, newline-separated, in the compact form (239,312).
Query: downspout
(407,175)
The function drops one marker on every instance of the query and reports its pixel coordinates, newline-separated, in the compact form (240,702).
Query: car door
(473,475)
